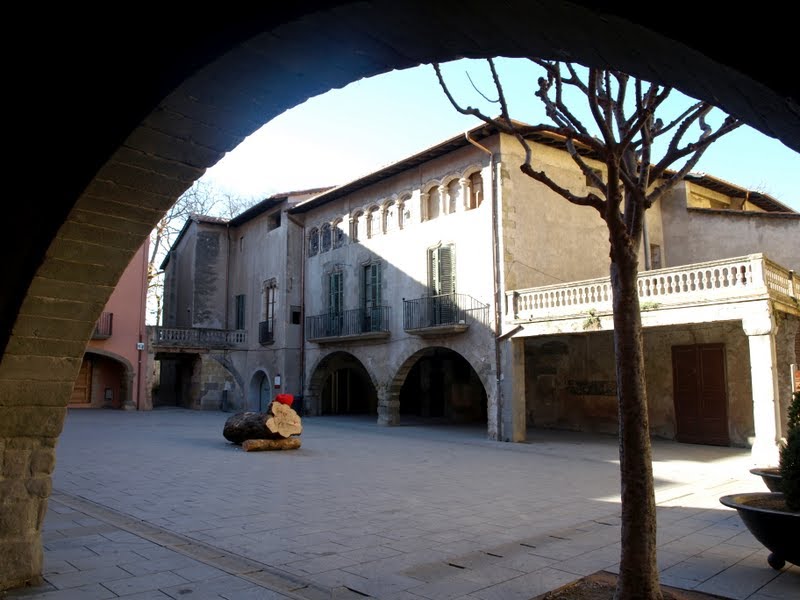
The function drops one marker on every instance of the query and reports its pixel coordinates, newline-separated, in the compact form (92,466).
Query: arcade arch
(151,126)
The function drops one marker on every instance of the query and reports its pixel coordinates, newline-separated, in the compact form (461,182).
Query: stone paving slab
(157,505)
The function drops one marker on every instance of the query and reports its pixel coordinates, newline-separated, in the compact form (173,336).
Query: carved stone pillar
(463,202)
(760,330)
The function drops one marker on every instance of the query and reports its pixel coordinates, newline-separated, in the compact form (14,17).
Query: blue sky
(338,136)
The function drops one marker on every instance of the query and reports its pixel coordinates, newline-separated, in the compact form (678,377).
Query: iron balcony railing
(196,337)
(104,326)
(355,322)
(266,333)
(443,310)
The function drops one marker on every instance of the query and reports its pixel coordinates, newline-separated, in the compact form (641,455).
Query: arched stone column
(388,406)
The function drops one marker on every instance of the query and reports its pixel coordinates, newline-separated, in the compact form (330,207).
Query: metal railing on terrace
(266,332)
(355,322)
(715,281)
(443,310)
(196,337)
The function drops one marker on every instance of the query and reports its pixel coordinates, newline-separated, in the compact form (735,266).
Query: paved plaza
(158,505)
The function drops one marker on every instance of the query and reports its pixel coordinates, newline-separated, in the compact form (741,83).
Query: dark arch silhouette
(341,384)
(115,78)
(439,384)
(109,125)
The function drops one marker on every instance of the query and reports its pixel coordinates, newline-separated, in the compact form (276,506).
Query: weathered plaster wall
(697,235)
(570,379)
(178,281)
(209,274)
(546,239)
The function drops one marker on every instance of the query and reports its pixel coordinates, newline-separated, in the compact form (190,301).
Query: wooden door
(81,391)
(700,393)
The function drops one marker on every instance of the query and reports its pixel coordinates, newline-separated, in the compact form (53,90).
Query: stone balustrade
(196,337)
(726,280)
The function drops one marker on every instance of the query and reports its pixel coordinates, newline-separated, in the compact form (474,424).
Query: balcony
(349,325)
(713,290)
(266,333)
(197,339)
(104,326)
(443,315)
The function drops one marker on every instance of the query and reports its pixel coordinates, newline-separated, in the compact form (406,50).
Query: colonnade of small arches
(454,193)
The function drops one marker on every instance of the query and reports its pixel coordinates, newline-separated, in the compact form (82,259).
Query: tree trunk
(638,571)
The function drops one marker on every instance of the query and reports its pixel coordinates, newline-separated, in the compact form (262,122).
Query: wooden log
(246,426)
(283,420)
(291,443)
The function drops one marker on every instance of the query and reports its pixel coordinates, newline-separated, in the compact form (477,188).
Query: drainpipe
(498,290)
(227,271)
(140,380)
(302,227)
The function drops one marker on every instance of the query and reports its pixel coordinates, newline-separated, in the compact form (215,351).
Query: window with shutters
(266,327)
(441,270)
(371,297)
(335,303)
(441,309)
(240,314)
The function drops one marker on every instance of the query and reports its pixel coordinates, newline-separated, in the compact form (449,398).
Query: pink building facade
(113,372)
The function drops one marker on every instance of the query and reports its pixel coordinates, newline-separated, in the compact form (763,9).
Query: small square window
(296,315)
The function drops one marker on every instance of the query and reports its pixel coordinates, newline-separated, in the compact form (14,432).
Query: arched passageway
(442,387)
(134,135)
(340,385)
(104,381)
(175,380)
(259,393)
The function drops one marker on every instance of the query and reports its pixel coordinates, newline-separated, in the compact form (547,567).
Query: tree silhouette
(639,150)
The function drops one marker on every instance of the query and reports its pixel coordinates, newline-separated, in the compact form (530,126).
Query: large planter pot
(778,529)
(771,477)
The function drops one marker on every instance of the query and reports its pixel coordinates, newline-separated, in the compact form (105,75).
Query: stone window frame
(313,241)
(325,238)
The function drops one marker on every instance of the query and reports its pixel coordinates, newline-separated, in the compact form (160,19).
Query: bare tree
(200,199)
(626,133)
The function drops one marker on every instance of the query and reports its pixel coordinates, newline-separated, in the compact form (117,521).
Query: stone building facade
(451,287)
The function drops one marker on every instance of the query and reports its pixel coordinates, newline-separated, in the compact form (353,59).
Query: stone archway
(111,381)
(136,135)
(340,384)
(259,391)
(438,384)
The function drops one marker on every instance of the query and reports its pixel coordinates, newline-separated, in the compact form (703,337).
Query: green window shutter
(441,270)
(377,283)
(433,271)
(447,272)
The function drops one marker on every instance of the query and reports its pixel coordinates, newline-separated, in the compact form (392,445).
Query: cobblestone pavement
(157,505)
